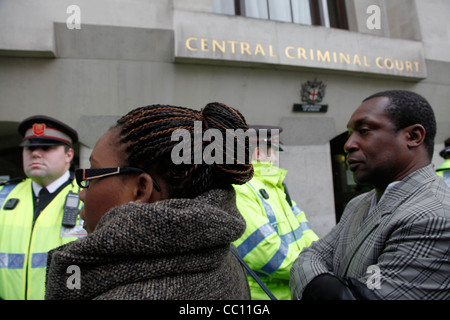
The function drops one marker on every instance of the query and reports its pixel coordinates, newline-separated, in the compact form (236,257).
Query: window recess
(328,13)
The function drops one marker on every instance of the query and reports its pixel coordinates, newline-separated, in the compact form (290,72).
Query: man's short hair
(407,108)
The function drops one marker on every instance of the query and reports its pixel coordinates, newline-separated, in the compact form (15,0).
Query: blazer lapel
(361,232)
(349,234)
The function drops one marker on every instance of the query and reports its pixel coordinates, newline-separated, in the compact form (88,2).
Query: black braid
(148,131)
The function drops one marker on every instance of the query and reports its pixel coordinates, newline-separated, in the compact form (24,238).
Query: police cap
(445,153)
(42,130)
(271,138)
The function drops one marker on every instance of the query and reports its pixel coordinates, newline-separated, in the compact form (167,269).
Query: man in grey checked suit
(394,241)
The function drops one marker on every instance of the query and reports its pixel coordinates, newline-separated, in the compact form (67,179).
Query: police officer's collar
(52,187)
(268,172)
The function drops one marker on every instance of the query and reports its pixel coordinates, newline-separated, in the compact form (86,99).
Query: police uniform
(444,169)
(31,224)
(277,229)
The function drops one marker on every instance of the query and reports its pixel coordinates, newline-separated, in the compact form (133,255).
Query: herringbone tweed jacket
(401,249)
(171,249)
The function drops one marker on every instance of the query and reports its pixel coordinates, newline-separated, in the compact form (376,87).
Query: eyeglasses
(84,176)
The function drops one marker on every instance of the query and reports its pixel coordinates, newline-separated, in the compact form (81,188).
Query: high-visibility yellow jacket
(276,232)
(24,246)
(444,171)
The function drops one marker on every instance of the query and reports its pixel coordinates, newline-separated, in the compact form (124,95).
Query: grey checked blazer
(406,238)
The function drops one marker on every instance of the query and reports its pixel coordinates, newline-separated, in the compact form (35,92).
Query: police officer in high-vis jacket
(277,229)
(39,213)
(444,169)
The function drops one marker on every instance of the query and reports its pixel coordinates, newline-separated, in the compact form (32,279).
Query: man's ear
(70,154)
(415,135)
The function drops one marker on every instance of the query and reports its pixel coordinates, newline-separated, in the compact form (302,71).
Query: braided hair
(148,132)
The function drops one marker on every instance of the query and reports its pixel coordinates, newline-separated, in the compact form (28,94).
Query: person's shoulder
(241,188)
(12,182)
(430,200)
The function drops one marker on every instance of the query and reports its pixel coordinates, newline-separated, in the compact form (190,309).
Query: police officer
(444,169)
(277,229)
(41,212)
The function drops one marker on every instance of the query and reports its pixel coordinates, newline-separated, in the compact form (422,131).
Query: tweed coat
(170,249)
(405,242)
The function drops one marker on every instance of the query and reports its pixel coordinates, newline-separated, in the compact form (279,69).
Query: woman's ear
(145,188)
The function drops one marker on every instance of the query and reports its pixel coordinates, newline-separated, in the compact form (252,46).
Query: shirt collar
(52,187)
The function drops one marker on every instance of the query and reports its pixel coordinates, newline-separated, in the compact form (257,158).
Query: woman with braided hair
(157,229)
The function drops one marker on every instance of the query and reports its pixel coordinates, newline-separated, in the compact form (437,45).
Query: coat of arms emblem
(313,91)
(312,94)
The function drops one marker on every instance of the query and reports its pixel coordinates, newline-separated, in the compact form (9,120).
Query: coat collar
(403,189)
(362,224)
(268,173)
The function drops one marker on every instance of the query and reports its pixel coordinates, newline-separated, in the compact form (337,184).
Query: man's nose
(350,145)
